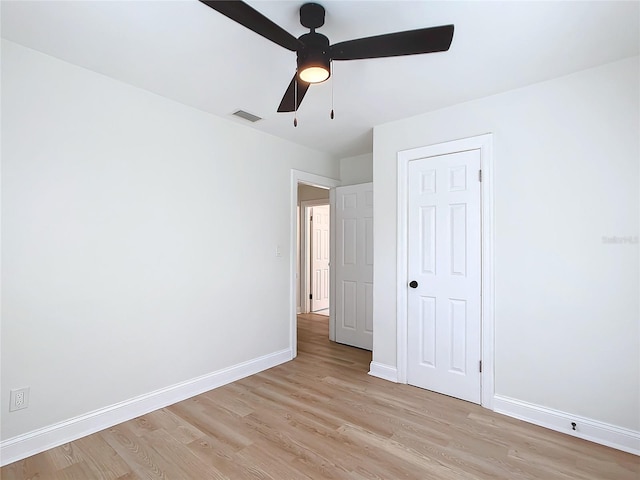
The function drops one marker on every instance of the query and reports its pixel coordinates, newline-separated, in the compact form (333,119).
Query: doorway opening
(309,191)
(314,251)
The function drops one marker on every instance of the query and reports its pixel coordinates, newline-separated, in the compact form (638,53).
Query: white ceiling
(187,52)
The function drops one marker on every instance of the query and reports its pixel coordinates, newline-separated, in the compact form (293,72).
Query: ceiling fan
(314,52)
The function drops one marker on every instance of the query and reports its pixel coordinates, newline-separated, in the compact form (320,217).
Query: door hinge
(480,366)
(311,218)
(310,296)
(479,175)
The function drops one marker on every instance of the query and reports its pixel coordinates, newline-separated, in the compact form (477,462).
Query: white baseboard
(586,428)
(22,446)
(385,372)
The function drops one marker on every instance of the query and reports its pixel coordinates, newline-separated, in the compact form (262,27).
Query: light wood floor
(322,416)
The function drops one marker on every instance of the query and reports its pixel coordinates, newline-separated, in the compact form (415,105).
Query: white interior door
(320,223)
(354,265)
(444,270)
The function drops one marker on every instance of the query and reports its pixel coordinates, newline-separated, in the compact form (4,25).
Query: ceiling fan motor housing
(315,53)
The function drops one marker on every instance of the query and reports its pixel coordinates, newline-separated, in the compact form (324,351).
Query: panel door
(354,265)
(320,224)
(444,246)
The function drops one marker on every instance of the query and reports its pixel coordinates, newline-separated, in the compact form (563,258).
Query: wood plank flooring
(322,417)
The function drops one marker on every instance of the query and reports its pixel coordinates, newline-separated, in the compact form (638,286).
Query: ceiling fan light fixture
(314,61)
(314,74)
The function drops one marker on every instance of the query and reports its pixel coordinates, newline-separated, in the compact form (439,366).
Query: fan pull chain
(295,102)
(332,115)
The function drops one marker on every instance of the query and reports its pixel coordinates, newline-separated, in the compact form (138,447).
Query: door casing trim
(484,143)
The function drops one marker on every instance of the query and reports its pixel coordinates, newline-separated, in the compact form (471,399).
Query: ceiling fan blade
(252,19)
(289,99)
(411,42)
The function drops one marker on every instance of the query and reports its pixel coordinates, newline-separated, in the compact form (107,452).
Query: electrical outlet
(19,399)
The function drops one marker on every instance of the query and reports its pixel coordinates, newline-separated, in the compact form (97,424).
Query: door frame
(297,177)
(484,143)
(305,241)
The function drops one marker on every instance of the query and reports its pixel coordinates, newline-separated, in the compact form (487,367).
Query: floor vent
(247,116)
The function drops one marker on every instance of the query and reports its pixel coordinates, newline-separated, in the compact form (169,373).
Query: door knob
(413,284)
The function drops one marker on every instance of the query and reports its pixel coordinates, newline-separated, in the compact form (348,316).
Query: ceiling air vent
(247,116)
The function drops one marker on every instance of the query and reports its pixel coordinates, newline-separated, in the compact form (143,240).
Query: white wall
(138,240)
(355,170)
(566,156)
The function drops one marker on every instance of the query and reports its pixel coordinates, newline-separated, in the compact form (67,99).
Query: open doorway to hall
(313,276)
(350,278)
